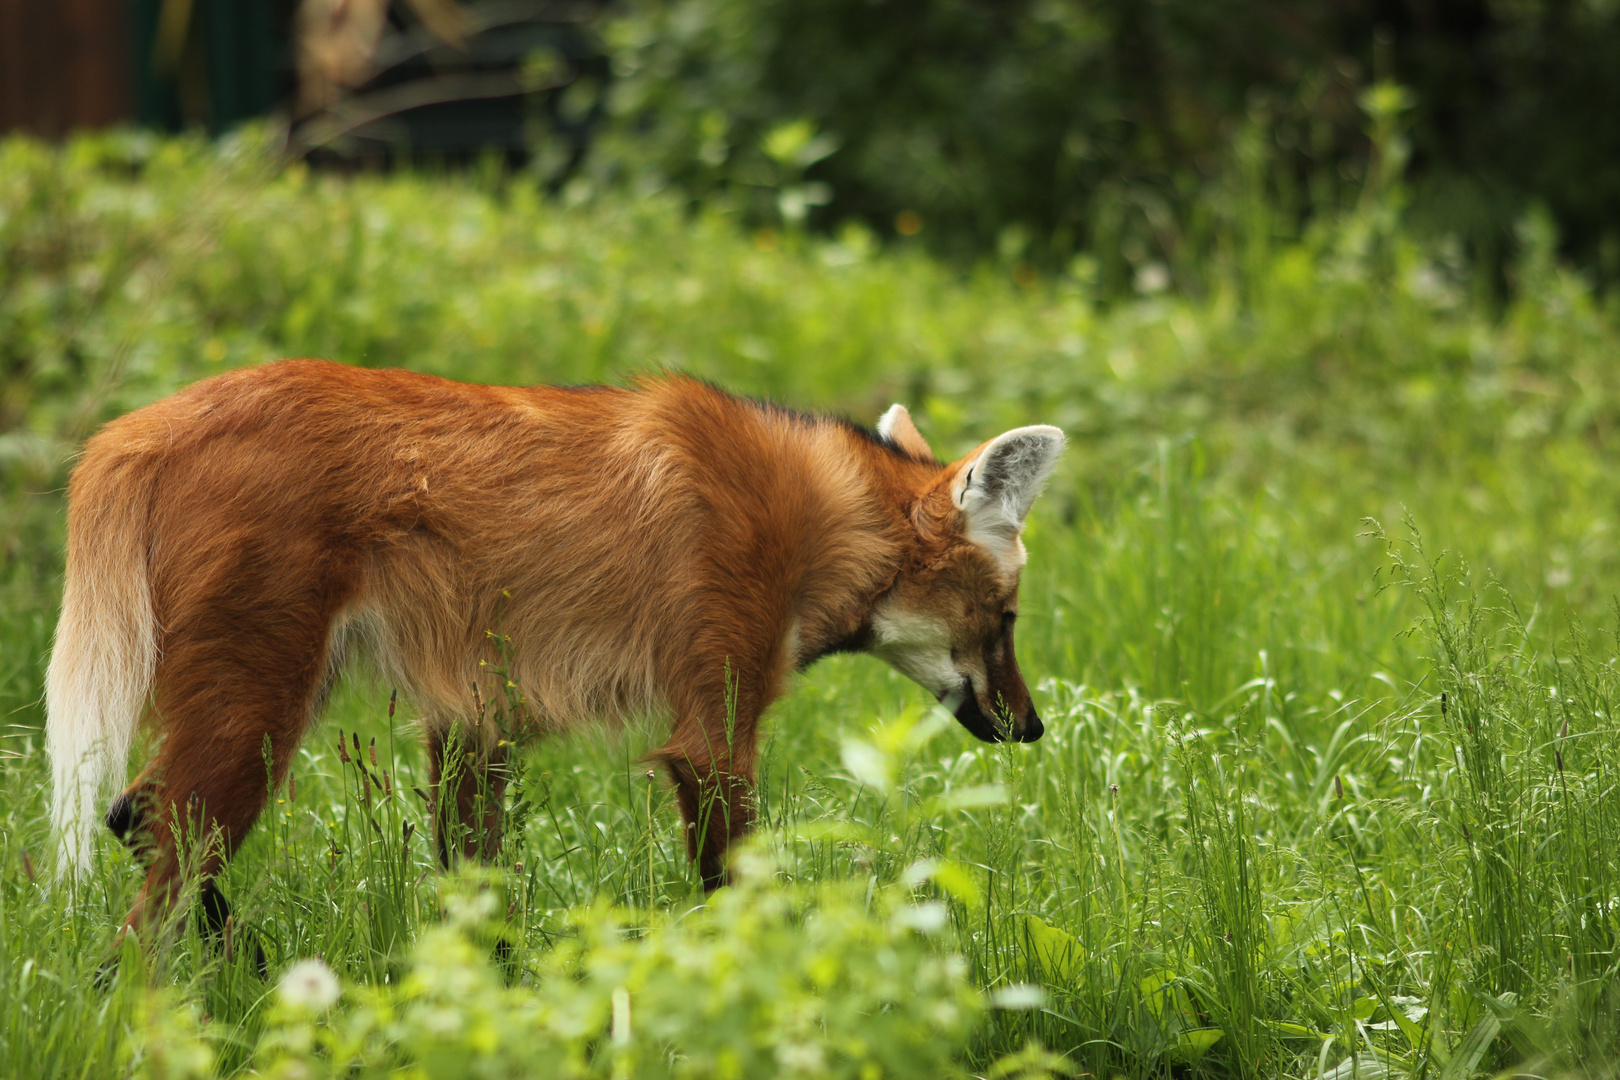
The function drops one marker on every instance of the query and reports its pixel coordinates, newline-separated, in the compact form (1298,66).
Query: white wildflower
(926,918)
(801,1058)
(471,910)
(444,1021)
(1018,997)
(309,985)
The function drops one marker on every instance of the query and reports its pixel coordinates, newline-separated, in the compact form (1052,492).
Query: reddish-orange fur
(668,549)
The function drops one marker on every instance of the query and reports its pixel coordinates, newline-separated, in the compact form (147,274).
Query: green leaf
(1055,950)
(1465,1059)
(867,764)
(1363,1067)
(948,875)
(1406,1018)
(796,144)
(1199,1040)
(968,798)
(832,830)
(954,879)
(1164,996)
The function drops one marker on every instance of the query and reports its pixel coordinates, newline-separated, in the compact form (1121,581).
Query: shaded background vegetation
(1052,127)
(1020,129)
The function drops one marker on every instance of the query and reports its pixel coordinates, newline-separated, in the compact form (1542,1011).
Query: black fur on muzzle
(964,705)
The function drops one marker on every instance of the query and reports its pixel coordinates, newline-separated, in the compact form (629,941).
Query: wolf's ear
(896,426)
(996,489)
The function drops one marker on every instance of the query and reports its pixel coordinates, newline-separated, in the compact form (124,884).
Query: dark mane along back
(800,416)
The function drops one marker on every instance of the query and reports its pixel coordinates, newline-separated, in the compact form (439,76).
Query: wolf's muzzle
(985,728)
(1032,728)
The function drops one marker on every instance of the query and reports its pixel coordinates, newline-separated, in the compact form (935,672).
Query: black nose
(1033,728)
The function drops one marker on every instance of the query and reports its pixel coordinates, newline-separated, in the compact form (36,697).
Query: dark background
(1028,130)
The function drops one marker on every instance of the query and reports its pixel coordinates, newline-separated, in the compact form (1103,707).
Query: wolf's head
(948,621)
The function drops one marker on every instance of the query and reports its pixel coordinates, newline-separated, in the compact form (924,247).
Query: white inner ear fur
(886,423)
(996,489)
(897,427)
(917,646)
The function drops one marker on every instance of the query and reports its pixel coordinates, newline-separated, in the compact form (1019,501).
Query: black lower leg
(124,818)
(219,926)
(469,787)
(214,909)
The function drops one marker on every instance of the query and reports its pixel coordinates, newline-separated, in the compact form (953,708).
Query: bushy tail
(103,660)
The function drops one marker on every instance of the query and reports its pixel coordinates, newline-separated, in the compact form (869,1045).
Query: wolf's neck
(853,552)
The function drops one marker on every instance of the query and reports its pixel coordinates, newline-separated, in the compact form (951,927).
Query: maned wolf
(670,548)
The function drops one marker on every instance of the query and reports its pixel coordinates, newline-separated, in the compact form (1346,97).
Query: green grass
(1306,806)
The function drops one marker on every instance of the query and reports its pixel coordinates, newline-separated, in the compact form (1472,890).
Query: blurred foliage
(1042,128)
(130,266)
(760,982)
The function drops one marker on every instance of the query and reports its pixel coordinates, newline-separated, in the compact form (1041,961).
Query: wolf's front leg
(468,774)
(717,808)
(710,756)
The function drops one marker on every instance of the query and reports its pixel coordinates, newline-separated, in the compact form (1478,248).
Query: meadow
(1319,611)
